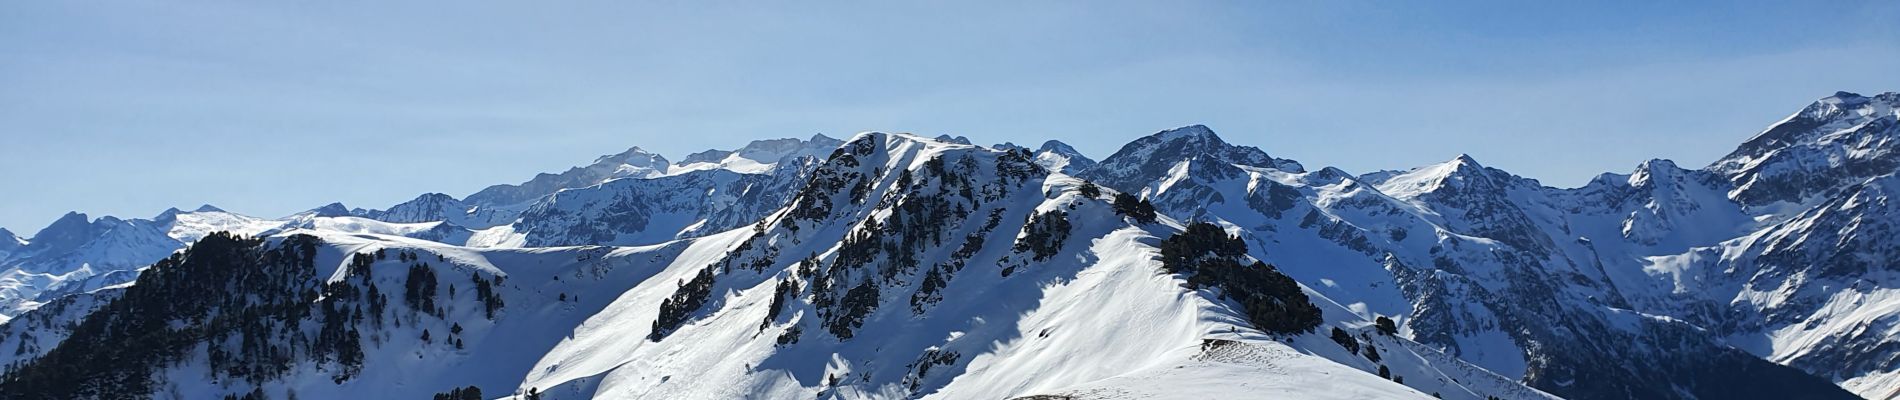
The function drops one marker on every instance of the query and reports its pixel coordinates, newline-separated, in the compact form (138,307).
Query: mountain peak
(953,139)
(1196,131)
(891,138)
(207,208)
(1465,161)
(708,156)
(328,210)
(633,155)
(1150,158)
(1837,140)
(1058,147)
(1457,173)
(1650,171)
(434,197)
(68,231)
(1657,163)
(70,220)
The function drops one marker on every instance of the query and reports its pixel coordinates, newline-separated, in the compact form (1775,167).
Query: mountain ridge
(1764,265)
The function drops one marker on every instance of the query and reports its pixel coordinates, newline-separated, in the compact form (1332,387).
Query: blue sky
(129,107)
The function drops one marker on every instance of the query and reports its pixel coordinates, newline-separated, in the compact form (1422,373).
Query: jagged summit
(953,139)
(9,242)
(1466,160)
(1836,141)
(1654,169)
(68,229)
(1059,156)
(327,210)
(757,157)
(1457,172)
(1058,147)
(707,156)
(635,162)
(1191,132)
(896,139)
(1150,158)
(635,157)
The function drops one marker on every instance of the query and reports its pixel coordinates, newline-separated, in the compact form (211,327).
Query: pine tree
(1345,340)
(1139,209)
(1386,326)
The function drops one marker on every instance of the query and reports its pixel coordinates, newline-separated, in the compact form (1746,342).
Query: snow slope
(1001,319)
(1528,281)
(874,252)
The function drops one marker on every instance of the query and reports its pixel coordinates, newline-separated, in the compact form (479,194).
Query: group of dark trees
(1386,326)
(938,277)
(1089,190)
(461,393)
(250,303)
(419,289)
(781,293)
(254,394)
(924,206)
(675,309)
(223,289)
(1044,234)
(485,294)
(1210,258)
(1346,340)
(1139,209)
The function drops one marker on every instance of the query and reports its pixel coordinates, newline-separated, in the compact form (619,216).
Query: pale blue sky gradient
(129,107)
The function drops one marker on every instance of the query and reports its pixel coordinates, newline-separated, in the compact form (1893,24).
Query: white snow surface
(1098,319)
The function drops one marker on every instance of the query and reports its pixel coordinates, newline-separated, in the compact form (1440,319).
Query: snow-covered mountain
(904,267)
(1137,163)
(1448,252)
(634,163)
(10,242)
(1482,262)
(709,192)
(1838,141)
(899,266)
(77,253)
(1053,155)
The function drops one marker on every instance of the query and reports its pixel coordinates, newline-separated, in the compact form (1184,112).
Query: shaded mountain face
(9,242)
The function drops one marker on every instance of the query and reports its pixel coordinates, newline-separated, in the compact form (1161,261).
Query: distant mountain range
(892,265)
